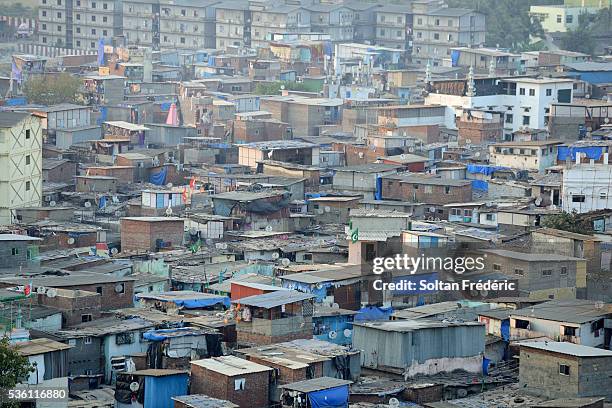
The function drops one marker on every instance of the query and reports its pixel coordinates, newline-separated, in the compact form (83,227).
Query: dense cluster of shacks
(196,233)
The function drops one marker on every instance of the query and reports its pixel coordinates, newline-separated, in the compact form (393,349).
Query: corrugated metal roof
(39,346)
(231,365)
(316,384)
(564,347)
(274,299)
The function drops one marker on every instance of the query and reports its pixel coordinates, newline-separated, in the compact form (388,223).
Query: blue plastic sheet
(101,52)
(483,169)
(378,194)
(505,329)
(485,366)
(592,152)
(159,178)
(455,58)
(374,313)
(163,334)
(331,398)
(196,302)
(480,185)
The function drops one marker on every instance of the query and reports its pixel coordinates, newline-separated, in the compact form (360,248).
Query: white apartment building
(525,102)
(587,187)
(531,156)
(21,163)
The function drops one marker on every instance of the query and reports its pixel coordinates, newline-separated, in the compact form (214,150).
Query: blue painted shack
(151,388)
(333,324)
(317,393)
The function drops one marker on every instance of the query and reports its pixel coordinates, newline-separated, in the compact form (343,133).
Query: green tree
(47,90)
(571,222)
(13,367)
(581,39)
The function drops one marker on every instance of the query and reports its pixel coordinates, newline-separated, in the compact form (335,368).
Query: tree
(581,39)
(13,367)
(46,90)
(571,222)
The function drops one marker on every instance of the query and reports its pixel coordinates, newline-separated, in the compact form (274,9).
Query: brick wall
(74,306)
(139,235)
(124,174)
(406,191)
(256,339)
(110,299)
(217,385)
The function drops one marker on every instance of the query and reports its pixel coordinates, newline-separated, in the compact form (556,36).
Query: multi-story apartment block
(333,19)
(141,22)
(187,24)
(55,22)
(233,24)
(21,163)
(394,27)
(93,20)
(277,19)
(364,20)
(437,31)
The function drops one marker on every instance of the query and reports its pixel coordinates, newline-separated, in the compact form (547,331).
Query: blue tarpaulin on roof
(455,58)
(505,329)
(15,101)
(374,313)
(591,152)
(163,334)
(160,390)
(165,106)
(331,398)
(482,169)
(159,178)
(196,302)
(485,366)
(480,185)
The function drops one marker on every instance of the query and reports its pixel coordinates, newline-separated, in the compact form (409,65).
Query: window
(496,267)
(88,340)
(382,19)
(27,186)
(59,28)
(521,91)
(182,40)
(419,21)
(437,21)
(27,160)
(400,20)
(92,44)
(44,26)
(521,324)
(436,36)
(399,33)
(93,18)
(239,384)
(78,16)
(382,32)
(559,18)
(44,40)
(183,12)
(14,251)
(104,19)
(532,92)
(568,330)
(526,120)
(59,2)
(93,31)
(578,198)
(450,23)
(549,92)
(490,217)
(519,272)
(44,13)
(569,19)
(59,15)
(93,4)
(447,189)
(86,317)
(546,272)
(509,118)
(105,6)
(563,270)
(104,33)
(99,289)
(564,369)
(308,257)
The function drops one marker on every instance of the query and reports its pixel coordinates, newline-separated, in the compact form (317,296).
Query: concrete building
(479,126)
(487,60)
(363,178)
(17,250)
(565,370)
(277,18)
(21,163)
(575,321)
(93,20)
(531,156)
(141,22)
(394,27)
(305,115)
(151,233)
(232,378)
(335,20)
(586,187)
(411,348)
(559,18)
(436,32)
(290,151)
(187,24)
(233,24)
(425,189)
(55,23)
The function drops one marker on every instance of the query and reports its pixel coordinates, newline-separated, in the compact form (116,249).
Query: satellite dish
(115,199)
(394,403)
(285,262)
(320,211)
(335,306)
(607,120)
(119,287)
(319,286)
(209,241)
(403,156)
(51,292)
(269,228)
(71,241)
(332,334)
(169,185)
(114,251)
(411,150)
(221,245)
(134,386)
(87,204)
(477,154)
(275,255)
(52,204)
(117,213)
(468,141)
(41,290)
(168,211)
(347,333)
(327,208)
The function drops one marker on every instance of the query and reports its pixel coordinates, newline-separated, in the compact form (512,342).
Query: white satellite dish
(285,262)
(269,228)
(71,241)
(168,211)
(41,290)
(394,403)
(114,251)
(119,287)
(411,150)
(87,204)
(320,211)
(275,255)
(52,204)
(347,332)
(477,154)
(403,156)
(332,334)
(117,213)
(169,185)
(134,386)
(327,208)
(468,141)
(51,292)
(335,306)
